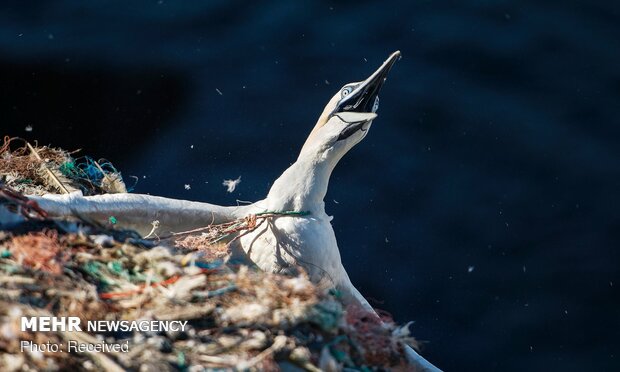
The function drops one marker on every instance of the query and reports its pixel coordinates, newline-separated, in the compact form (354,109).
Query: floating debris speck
(231,185)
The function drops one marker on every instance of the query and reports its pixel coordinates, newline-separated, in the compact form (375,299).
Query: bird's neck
(302,187)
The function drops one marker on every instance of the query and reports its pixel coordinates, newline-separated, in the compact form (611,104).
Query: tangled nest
(39,170)
(238,318)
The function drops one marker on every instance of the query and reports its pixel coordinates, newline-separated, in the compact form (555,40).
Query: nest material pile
(39,170)
(238,318)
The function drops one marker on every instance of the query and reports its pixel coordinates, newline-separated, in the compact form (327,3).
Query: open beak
(364,96)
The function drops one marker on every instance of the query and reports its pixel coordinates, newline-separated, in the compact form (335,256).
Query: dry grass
(38,170)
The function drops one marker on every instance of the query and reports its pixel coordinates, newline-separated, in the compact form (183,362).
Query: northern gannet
(279,244)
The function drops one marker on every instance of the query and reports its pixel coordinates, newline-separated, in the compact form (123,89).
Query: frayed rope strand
(249,223)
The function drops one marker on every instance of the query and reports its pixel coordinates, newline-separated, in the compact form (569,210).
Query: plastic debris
(240,318)
(38,170)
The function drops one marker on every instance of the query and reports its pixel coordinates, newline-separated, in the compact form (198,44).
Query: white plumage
(279,244)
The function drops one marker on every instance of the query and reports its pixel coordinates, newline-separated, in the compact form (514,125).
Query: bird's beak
(363,97)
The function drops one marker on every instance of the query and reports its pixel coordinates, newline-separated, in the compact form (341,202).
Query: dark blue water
(484,202)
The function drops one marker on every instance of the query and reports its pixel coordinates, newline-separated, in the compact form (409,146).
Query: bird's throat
(302,187)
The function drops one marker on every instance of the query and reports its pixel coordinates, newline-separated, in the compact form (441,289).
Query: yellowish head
(359,97)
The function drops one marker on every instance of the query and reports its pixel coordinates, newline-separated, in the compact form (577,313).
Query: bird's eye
(375,105)
(346,90)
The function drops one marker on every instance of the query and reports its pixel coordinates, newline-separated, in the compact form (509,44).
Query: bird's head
(346,119)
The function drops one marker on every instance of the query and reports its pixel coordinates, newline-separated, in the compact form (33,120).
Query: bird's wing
(138,211)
